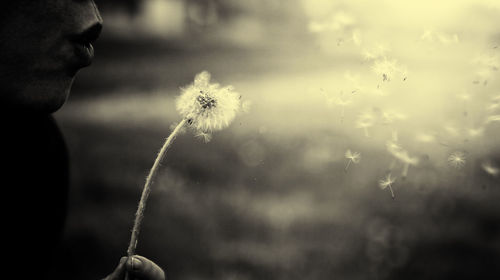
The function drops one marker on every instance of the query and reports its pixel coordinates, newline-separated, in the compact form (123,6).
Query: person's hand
(138,267)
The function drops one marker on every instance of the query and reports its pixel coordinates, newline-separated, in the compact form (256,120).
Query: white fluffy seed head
(207,106)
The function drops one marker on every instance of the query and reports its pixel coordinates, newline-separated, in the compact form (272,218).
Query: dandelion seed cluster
(206,106)
(388,79)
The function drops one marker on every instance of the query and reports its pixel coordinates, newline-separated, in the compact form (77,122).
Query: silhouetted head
(43,44)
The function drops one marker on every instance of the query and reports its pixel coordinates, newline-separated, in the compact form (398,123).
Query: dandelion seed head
(207,106)
(457,159)
(365,120)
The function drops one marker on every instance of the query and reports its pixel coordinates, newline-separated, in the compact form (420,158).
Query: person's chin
(46,96)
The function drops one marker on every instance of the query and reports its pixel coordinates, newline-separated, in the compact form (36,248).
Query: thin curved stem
(139,215)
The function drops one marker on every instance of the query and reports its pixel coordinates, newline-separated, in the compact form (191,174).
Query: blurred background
(413,87)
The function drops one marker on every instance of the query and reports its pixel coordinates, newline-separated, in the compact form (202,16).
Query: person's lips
(85,53)
(82,42)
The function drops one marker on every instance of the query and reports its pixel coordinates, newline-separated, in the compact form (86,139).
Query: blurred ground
(268,198)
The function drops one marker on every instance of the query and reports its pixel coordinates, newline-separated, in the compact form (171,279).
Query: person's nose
(86,18)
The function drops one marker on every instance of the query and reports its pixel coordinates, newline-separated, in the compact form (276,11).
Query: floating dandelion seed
(493,107)
(457,159)
(403,155)
(408,161)
(388,69)
(365,121)
(378,52)
(205,107)
(356,37)
(496,98)
(390,117)
(427,36)
(342,103)
(476,132)
(204,135)
(489,168)
(354,82)
(432,36)
(448,39)
(353,157)
(452,130)
(337,101)
(368,55)
(494,118)
(425,137)
(465,97)
(387,183)
(339,21)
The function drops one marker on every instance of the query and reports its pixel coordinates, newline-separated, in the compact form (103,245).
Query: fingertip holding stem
(134,264)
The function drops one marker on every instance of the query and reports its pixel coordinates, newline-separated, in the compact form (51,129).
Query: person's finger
(119,272)
(144,269)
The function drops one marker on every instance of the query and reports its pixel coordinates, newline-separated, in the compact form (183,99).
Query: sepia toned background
(269,197)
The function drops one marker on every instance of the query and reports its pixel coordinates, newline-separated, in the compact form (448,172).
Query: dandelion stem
(342,114)
(392,192)
(347,165)
(139,215)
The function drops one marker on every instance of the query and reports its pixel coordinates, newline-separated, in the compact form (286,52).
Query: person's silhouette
(43,45)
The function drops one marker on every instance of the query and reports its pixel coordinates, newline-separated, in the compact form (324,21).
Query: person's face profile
(43,45)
